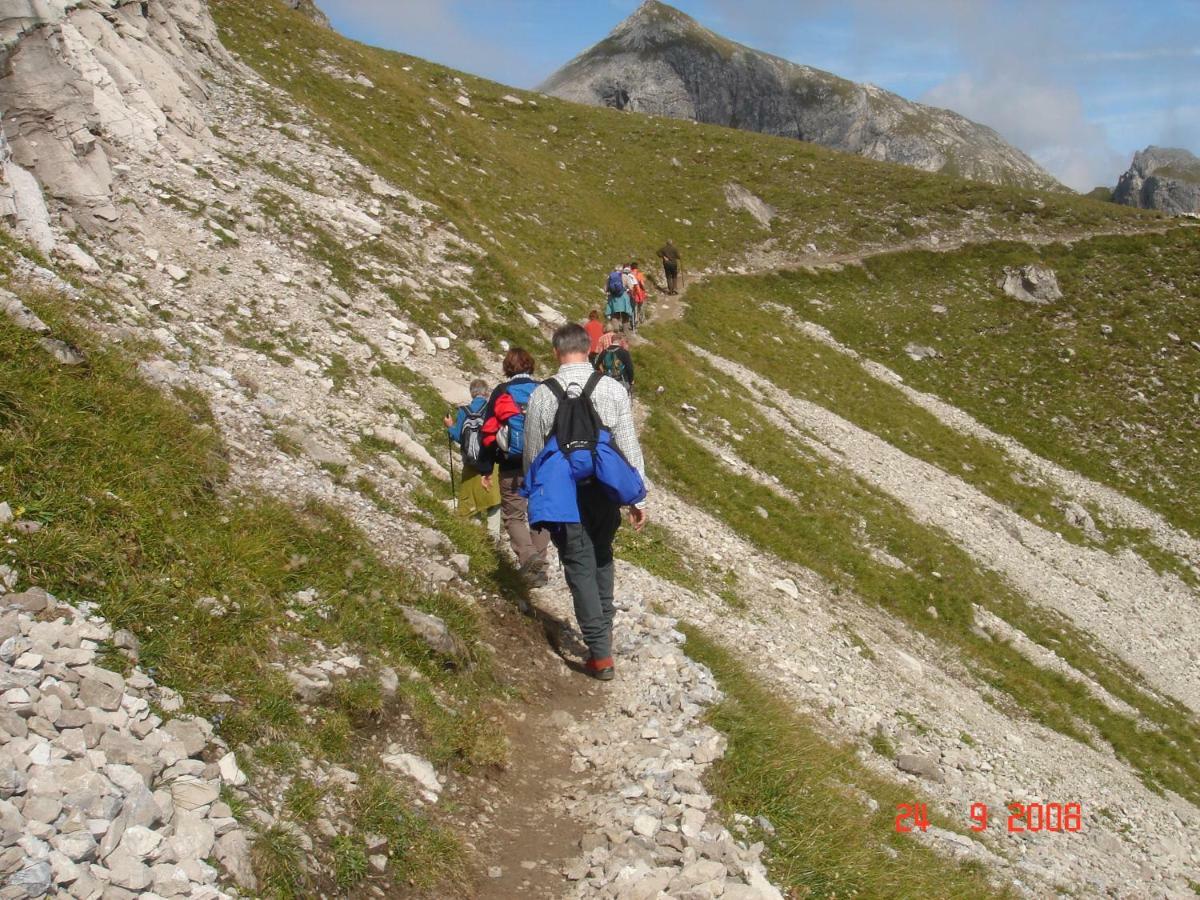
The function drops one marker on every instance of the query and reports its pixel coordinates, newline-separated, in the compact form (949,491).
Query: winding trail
(764,262)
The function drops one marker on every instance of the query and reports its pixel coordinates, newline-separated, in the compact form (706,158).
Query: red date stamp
(1022,817)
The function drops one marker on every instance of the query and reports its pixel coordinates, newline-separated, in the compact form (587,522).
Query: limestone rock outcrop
(84,82)
(1162,178)
(1031,284)
(662,62)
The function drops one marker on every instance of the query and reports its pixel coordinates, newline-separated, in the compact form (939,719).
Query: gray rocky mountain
(1162,178)
(663,62)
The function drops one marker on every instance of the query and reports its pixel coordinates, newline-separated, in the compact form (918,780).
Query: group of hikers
(555,461)
(626,288)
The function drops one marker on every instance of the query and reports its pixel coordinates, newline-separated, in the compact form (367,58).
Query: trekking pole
(453,492)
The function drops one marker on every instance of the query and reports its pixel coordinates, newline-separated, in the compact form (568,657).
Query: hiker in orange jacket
(638,294)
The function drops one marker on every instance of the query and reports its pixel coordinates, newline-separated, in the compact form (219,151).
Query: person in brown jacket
(669,255)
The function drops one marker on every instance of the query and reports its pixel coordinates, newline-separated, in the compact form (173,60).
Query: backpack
(611,364)
(616,284)
(470,437)
(580,450)
(510,413)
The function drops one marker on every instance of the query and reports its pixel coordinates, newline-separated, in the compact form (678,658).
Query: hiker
(595,330)
(504,438)
(583,463)
(670,260)
(612,330)
(638,294)
(475,495)
(617,363)
(630,290)
(619,305)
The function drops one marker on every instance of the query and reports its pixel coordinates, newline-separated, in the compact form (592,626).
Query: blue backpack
(616,284)
(510,437)
(580,451)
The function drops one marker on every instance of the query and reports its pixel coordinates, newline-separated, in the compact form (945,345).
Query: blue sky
(1078,84)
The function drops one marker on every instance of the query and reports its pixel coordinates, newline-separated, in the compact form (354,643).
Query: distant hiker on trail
(583,463)
(631,286)
(619,305)
(617,363)
(638,294)
(475,495)
(504,439)
(595,330)
(670,260)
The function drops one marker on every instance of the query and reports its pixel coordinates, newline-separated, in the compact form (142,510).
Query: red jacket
(595,330)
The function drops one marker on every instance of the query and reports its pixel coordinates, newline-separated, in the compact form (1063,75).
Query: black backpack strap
(591,385)
(556,389)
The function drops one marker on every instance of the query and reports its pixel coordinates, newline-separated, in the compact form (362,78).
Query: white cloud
(1046,120)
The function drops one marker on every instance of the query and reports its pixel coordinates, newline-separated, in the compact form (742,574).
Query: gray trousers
(587,557)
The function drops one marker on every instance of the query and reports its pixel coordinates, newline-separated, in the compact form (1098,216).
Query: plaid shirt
(612,405)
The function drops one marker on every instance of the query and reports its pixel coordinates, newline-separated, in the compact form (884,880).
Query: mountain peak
(1163,178)
(663,62)
(656,12)
(654,22)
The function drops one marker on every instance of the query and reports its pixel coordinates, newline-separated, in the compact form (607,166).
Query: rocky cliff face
(662,62)
(84,83)
(1162,178)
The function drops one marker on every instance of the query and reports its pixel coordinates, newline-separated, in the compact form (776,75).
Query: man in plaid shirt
(585,548)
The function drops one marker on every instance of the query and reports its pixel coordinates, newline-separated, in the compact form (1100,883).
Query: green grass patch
(653,550)
(732,324)
(827,841)
(130,486)
(1119,407)
(278,861)
(422,853)
(829,522)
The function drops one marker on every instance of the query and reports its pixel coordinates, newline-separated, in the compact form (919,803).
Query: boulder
(918,352)
(316,450)
(1031,284)
(739,198)
(435,632)
(419,770)
(21,315)
(63,352)
(233,852)
(922,766)
(410,448)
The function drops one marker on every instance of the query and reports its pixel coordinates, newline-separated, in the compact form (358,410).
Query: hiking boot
(537,561)
(601,669)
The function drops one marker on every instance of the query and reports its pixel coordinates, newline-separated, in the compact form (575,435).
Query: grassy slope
(558,207)
(555,193)
(829,522)
(167,540)
(128,485)
(1121,408)
(827,841)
